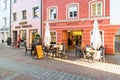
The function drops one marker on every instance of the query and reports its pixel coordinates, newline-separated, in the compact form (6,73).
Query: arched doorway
(117,42)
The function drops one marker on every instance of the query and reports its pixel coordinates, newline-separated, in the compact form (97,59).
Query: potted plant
(38,39)
(9,41)
(37,36)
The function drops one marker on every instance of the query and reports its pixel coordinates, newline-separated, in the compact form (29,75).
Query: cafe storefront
(26,31)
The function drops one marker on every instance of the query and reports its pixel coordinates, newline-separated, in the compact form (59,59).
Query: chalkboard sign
(38,51)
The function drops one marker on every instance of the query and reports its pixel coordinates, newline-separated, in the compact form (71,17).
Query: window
(4,21)
(96,9)
(23,34)
(14,17)
(52,15)
(72,11)
(24,14)
(5,4)
(36,12)
(53,37)
(14,1)
(32,35)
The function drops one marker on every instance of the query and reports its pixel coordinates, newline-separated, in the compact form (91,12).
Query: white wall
(5,13)
(115,11)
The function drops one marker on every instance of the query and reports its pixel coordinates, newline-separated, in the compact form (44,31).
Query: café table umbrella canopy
(96,37)
(47,36)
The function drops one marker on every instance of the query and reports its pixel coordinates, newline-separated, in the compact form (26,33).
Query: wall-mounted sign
(26,26)
(16,27)
(23,23)
(72,23)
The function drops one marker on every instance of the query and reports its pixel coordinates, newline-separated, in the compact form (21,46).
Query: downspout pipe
(10,17)
(41,19)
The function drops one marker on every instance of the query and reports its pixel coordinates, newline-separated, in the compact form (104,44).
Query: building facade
(71,22)
(4,20)
(25,20)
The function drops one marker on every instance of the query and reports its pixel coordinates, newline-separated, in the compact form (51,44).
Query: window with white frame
(96,9)
(72,11)
(24,14)
(14,16)
(14,1)
(4,21)
(53,12)
(36,12)
(4,4)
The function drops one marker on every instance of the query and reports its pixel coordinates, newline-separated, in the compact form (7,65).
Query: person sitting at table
(52,50)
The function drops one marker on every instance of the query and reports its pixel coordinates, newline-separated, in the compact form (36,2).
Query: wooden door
(65,39)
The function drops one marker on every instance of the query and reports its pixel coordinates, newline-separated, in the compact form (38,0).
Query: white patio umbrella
(96,37)
(47,36)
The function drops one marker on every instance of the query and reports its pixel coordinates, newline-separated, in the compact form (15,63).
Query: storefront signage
(26,26)
(72,23)
(16,27)
(53,24)
(23,23)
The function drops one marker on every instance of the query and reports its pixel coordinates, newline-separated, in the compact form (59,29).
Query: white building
(4,20)
(25,19)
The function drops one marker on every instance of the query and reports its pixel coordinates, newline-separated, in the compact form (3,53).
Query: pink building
(25,19)
(69,19)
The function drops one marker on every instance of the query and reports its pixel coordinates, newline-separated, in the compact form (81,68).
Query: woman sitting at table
(52,49)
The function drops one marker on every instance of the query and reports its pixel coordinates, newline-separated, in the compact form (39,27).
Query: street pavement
(14,65)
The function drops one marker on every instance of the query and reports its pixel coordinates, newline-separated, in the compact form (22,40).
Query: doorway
(74,38)
(14,36)
(117,42)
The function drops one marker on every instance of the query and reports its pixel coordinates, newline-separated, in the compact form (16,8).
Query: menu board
(38,51)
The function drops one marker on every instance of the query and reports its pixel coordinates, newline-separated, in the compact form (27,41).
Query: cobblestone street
(14,65)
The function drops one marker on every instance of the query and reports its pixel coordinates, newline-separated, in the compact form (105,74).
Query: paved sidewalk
(17,66)
(38,73)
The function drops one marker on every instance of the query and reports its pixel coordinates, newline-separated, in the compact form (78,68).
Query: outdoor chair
(61,50)
(49,49)
(28,49)
(96,55)
(88,55)
(79,52)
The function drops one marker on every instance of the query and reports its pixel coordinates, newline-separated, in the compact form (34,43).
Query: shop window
(32,35)
(96,9)
(23,34)
(53,37)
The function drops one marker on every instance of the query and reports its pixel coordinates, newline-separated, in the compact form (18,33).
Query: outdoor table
(90,54)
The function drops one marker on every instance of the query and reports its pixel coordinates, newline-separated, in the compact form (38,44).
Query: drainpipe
(10,18)
(41,17)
